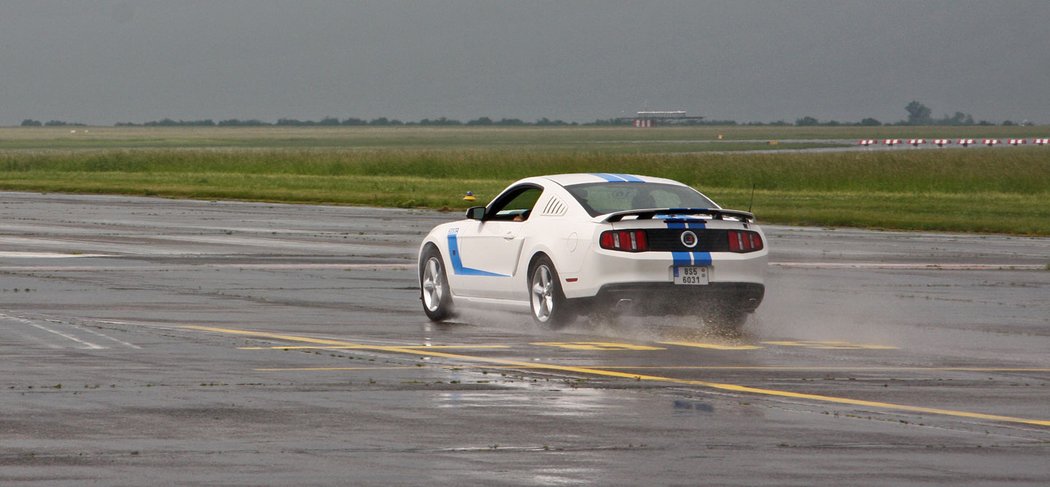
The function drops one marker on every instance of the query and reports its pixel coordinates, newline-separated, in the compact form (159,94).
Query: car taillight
(624,240)
(742,241)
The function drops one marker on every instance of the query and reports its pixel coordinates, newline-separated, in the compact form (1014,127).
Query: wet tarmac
(184,342)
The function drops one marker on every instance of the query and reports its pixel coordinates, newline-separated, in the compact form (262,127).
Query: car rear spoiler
(648,214)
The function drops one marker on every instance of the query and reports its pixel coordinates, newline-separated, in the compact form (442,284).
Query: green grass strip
(1004,190)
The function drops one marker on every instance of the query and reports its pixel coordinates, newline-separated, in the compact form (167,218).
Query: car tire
(548,303)
(433,285)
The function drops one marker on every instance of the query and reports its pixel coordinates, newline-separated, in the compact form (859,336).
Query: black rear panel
(670,240)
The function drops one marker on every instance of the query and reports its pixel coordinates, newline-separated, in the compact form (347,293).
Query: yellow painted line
(459,347)
(639,377)
(753,367)
(608,346)
(712,346)
(830,345)
(358,347)
(790,368)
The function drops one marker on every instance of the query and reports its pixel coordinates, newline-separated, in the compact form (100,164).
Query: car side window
(516,205)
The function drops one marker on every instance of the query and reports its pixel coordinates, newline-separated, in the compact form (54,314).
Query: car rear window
(602,198)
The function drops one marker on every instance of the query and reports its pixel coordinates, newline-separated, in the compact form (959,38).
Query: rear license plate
(691,275)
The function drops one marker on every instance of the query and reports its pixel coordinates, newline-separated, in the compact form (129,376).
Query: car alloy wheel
(433,285)
(542,294)
(549,306)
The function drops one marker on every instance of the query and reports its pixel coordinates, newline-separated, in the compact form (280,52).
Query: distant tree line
(335,122)
(50,123)
(167,122)
(918,114)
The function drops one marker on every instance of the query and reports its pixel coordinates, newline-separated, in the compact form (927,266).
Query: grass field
(1001,190)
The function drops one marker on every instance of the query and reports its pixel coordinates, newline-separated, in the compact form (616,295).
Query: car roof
(585,178)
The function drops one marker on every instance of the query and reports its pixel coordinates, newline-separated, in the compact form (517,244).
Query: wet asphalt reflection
(154,340)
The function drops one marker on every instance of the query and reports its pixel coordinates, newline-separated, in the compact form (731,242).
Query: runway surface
(159,341)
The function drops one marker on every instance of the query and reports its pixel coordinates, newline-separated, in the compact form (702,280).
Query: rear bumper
(603,272)
(663,298)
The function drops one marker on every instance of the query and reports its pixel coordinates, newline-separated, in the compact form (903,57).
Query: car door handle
(509,236)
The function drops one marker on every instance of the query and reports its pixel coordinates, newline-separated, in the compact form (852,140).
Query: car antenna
(752,203)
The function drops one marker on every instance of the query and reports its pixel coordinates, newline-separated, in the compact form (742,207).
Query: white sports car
(578,243)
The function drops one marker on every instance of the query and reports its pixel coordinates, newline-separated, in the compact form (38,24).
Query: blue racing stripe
(629,178)
(457,262)
(681,259)
(701,258)
(688,258)
(609,177)
(675,223)
(696,225)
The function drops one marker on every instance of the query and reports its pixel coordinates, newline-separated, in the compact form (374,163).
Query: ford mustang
(570,244)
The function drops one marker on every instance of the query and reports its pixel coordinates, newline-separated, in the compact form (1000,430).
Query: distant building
(655,118)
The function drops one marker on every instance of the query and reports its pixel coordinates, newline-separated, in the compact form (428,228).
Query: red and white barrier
(960,142)
(643,123)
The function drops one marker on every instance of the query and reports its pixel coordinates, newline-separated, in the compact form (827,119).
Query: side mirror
(476,213)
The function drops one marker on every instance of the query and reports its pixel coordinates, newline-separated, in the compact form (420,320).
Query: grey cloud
(128,60)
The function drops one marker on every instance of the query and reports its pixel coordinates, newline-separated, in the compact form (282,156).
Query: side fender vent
(554,207)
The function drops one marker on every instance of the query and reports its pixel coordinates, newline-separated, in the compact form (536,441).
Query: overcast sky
(108,61)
